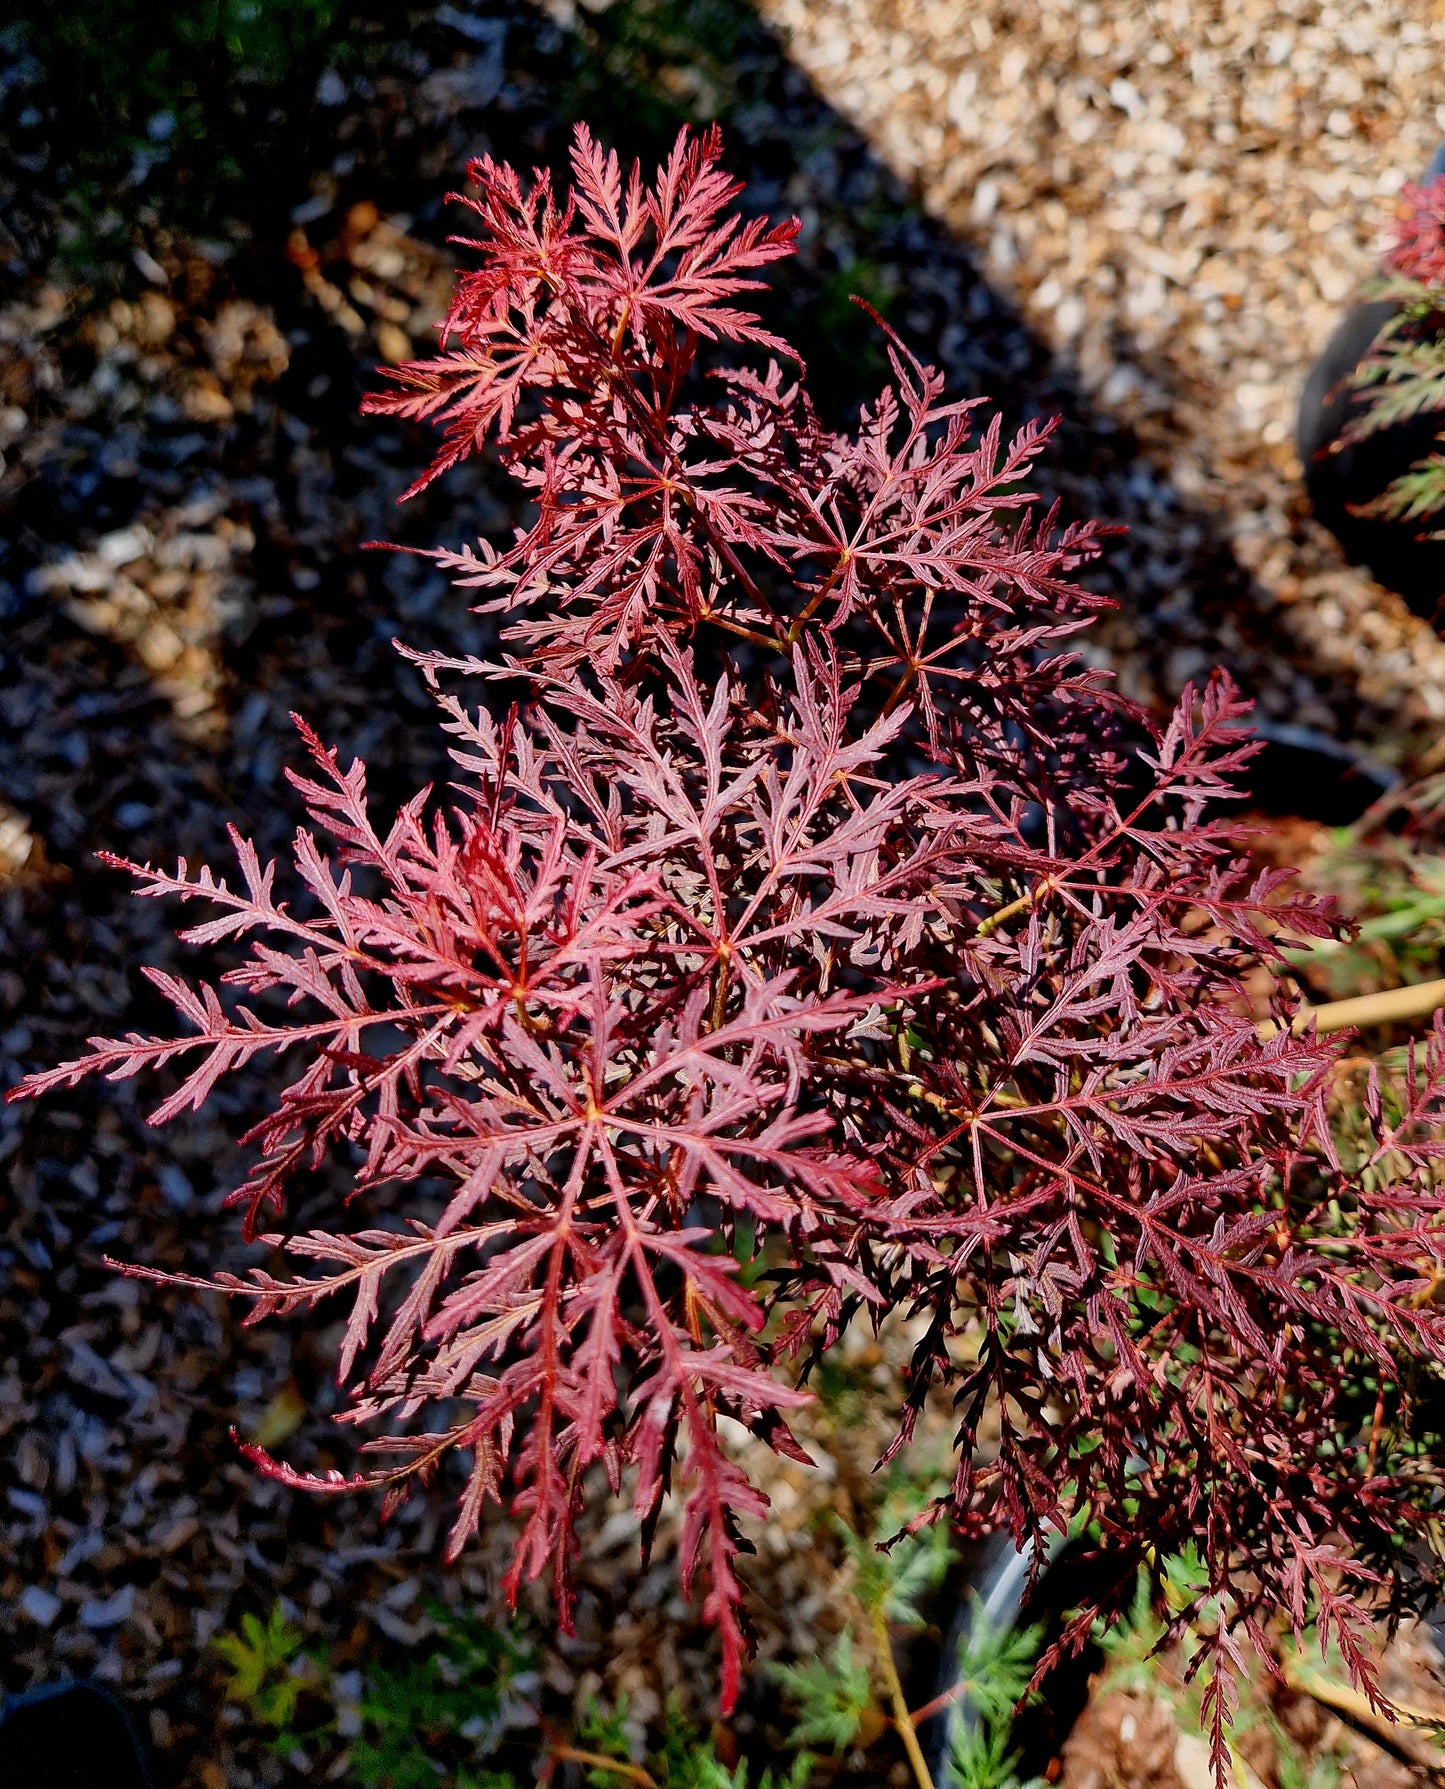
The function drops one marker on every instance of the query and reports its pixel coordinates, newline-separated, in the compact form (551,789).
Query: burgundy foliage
(1416,249)
(818,913)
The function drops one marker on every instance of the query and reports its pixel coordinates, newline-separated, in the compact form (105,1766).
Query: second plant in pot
(1372,418)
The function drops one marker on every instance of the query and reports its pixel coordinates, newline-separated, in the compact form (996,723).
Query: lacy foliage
(814,940)
(1416,249)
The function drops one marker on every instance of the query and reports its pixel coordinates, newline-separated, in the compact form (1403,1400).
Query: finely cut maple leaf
(820,912)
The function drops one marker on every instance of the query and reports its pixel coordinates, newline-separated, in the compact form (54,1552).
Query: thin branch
(902,1720)
(1417,1001)
(1356,1710)
(939,1703)
(634,1773)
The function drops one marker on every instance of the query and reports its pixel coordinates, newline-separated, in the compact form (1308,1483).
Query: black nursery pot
(69,1736)
(994,1590)
(1308,775)
(1341,478)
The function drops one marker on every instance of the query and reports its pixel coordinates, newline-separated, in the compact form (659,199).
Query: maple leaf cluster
(819,937)
(1416,247)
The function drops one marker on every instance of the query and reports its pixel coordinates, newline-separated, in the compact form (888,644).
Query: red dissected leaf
(894,945)
(1416,249)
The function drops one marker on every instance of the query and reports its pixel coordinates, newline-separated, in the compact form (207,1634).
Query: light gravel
(1181,197)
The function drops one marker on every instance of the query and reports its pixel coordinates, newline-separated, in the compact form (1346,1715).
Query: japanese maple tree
(817,912)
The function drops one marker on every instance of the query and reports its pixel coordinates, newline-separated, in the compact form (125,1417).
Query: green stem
(1021,905)
(816,601)
(744,633)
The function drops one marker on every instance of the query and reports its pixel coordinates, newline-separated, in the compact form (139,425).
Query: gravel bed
(1181,196)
